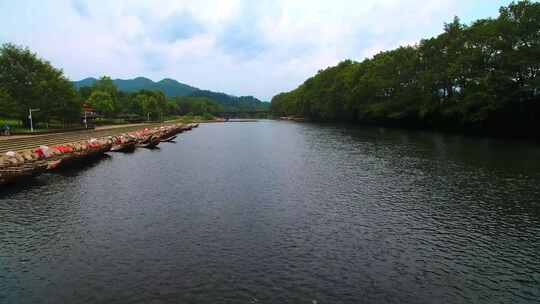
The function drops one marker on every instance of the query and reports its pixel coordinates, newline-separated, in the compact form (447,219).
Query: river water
(280,212)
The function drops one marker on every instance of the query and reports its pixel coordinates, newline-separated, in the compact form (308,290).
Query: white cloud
(240,47)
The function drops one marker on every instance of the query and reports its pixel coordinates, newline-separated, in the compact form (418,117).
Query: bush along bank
(16,166)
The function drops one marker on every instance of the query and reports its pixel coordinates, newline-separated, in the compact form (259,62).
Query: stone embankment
(18,165)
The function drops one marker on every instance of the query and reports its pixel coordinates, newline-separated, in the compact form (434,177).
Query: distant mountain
(169,87)
(87,82)
(173,88)
(245,103)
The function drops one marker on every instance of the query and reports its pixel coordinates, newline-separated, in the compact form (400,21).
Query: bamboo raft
(124,143)
(169,139)
(19,165)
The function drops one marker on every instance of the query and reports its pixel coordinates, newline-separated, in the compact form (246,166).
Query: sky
(241,47)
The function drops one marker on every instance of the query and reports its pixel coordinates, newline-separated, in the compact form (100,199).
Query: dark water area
(280,212)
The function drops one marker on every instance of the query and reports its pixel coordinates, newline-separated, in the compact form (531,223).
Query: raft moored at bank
(169,139)
(15,172)
(123,143)
(150,142)
(17,165)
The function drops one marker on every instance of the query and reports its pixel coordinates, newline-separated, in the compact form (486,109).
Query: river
(281,212)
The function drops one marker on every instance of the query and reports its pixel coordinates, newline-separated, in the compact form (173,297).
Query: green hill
(173,88)
(169,87)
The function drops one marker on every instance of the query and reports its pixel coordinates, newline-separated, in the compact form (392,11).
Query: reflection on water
(274,212)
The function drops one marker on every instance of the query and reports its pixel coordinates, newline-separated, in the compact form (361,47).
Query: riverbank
(27,157)
(222,120)
(293,118)
(109,127)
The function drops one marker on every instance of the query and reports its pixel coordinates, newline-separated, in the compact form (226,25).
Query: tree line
(29,82)
(482,76)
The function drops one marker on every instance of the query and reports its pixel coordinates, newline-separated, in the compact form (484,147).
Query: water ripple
(274,212)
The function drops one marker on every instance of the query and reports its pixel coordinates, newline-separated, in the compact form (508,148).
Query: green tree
(151,103)
(479,76)
(105,84)
(8,106)
(31,82)
(102,102)
(85,92)
(198,105)
(150,106)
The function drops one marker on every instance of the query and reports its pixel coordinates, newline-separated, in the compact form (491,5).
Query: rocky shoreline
(16,166)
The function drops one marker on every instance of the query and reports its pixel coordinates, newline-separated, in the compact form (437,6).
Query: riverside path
(33,141)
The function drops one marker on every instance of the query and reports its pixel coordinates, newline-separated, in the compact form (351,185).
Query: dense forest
(478,77)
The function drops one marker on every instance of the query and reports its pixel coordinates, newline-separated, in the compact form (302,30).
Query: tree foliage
(197,106)
(8,106)
(108,101)
(102,102)
(152,103)
(478,76)
(27,81)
